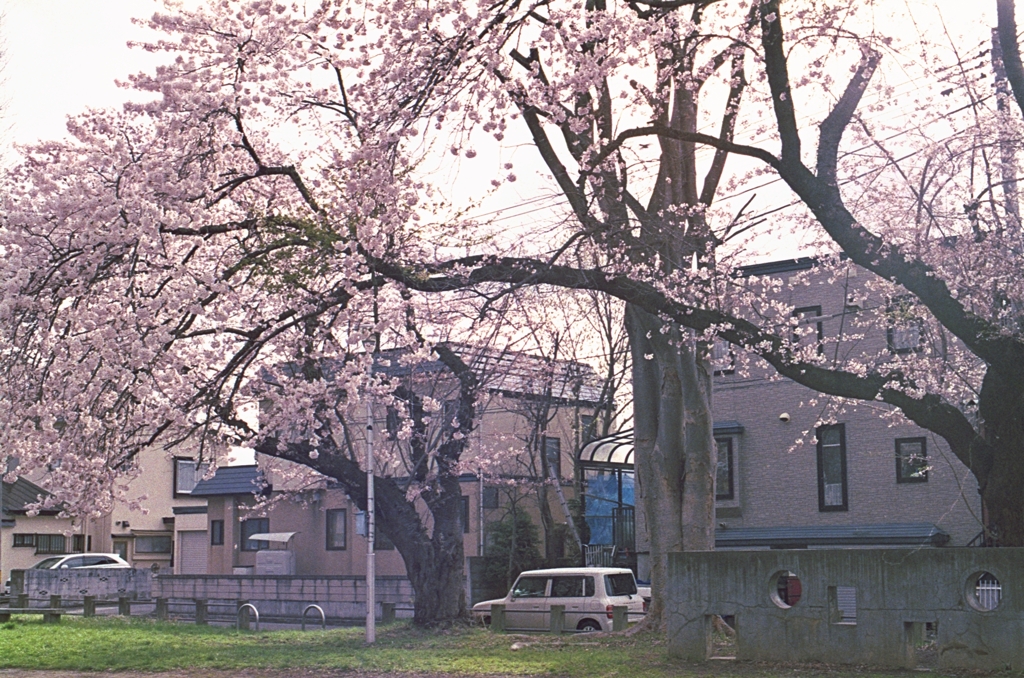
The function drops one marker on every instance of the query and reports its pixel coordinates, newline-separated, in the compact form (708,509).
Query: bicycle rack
(323,617)
(238,615)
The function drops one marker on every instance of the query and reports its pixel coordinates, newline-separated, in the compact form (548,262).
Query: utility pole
(1008,164)
(371,565)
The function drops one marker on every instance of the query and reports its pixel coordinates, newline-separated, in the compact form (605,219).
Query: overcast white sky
(64,56)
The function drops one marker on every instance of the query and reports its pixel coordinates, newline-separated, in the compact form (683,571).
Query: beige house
(149,528)
(528,425)
(175,521)
(25,539)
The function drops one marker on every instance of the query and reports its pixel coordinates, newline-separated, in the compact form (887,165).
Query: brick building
(797,470)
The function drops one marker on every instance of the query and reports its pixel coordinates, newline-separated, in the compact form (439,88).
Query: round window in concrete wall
(983,591)
(785,589)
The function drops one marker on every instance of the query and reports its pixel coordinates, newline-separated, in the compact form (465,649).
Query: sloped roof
(888,534)
(616,450)
(231,480)
(512,373)
(21,493)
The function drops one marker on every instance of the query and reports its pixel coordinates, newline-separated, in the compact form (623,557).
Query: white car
(588,594)
(82,560)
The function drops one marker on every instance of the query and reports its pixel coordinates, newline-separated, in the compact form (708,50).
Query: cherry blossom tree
(273,198)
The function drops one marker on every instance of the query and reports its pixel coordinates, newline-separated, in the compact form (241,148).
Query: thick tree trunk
(675,455)
(434,564)
(1001,406)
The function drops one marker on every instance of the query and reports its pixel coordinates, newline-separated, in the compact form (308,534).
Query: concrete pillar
(22,600)
(124,606)
(620,617)
(52,617)
(201,612)
(498,618)
(557,618)
(89,606)
(387,613)
(161,608)
(242,615)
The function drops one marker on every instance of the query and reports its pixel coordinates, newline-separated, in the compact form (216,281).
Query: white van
(588,593)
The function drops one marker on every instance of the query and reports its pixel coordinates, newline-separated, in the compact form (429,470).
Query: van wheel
(588,626)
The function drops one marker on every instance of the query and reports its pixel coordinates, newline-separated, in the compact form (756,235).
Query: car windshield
(620,584)
(47,564)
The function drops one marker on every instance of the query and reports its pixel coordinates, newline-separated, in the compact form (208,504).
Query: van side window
(572,587)
(530,587)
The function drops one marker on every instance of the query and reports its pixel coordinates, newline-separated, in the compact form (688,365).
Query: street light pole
(371,565)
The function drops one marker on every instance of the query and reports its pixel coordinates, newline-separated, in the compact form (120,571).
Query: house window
(464,513)
(78,543)
(911,460)
(723,358)
(336,529)
(25,540)
(905,333)
(251,527)
(153,544)
(806,317)
(51,543)
(588,427)
(490,497)
(832,491)
(553,455)
(216,533)
(724,478)
(186,474)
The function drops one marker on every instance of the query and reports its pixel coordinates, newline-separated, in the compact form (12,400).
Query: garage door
(192,552)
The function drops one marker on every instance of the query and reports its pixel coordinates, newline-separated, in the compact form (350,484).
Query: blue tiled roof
(888,534)
(231,480)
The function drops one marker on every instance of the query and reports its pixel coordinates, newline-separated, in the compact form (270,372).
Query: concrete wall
(74,585)
(340,597)
(897,591)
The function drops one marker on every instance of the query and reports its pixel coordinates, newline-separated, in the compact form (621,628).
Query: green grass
(118,644)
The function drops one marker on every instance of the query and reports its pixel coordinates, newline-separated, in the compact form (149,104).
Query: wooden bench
(51,615)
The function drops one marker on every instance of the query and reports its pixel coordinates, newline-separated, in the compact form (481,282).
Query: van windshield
(620,584)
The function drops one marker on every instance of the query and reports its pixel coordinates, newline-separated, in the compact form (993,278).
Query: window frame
(892,326)
(331,517)
(216,533)
(24,540)
(588,428)
(244,532)
(798,313)
(724,365)
(151,540)
(545,442)
(731,496)
(49,540)
(198,471)
(491,498)
(922,477)
(845,506)
(464,513)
